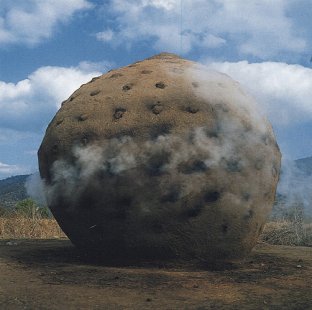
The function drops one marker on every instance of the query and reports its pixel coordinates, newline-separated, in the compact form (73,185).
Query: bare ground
(52,274)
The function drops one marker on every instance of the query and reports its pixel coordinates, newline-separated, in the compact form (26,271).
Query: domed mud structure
(161,158)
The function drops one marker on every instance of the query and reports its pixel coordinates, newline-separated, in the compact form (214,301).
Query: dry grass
(18,227)
(287,233)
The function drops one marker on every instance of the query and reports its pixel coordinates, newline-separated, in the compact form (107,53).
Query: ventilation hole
(71,98)
(246,196)
(259,164)
(119,112)
(274,171)
(115,75)
(95,92)
(265,139)
(87,138)
(249,215)
(94,79)
(160,130)
(234,165)
(213,132)
(194,166)
(55,149)
(84,141)
(192,109)
(172,196)
(157,108)
(82,117)
(59,122)
(211,196)
(156,163)
(127,87)
(195,84)
(146,71)
(195,211)
(224,228)
(160,85)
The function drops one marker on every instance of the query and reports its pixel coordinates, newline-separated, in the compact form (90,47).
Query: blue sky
(49,48)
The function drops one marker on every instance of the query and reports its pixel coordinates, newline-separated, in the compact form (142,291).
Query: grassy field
(28,221)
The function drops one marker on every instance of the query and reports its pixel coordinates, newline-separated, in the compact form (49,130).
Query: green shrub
(30,209)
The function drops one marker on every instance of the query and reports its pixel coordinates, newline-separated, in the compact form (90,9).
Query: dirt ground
(52,274)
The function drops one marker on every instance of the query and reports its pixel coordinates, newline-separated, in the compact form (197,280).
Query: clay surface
(161,158)
(52,274)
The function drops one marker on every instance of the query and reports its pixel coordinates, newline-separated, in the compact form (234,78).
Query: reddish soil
(52,274)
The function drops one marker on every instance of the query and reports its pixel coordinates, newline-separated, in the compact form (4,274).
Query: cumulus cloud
(31,21)
(284,90)
(182,26)
(30,104)
(8,170)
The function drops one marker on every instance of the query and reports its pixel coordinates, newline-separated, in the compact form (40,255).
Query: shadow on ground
(273,277)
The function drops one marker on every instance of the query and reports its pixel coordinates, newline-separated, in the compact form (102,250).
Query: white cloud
(105,36)
(284,90)
(262,29)
(7,170)
(29,104)
(31,21)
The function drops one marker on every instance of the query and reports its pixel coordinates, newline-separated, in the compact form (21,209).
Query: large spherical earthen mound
(161,158)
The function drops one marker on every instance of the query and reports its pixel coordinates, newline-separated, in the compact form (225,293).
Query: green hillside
(13,190)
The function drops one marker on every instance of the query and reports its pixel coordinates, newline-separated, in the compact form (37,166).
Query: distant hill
(305,165)
(13,190)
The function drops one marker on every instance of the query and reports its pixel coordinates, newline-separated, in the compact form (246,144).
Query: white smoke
(294,189)
(36,189)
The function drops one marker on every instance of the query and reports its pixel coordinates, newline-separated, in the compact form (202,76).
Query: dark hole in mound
(87,138)
(172,195)
(246,196)
(265,139)
(194,166)
(156,162)
(157,108)
(224,228)
(115,75)
(119,112)
(94,79)
(54,149)
(195,211)
(127,87)
(192,109)
(160,85)
(213,132)
(233,165)
(211,196)
(146,71)
(249,215)
(160,130)
(59,122)
(259,164)
(95,92)
(82,117)
(195,84)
